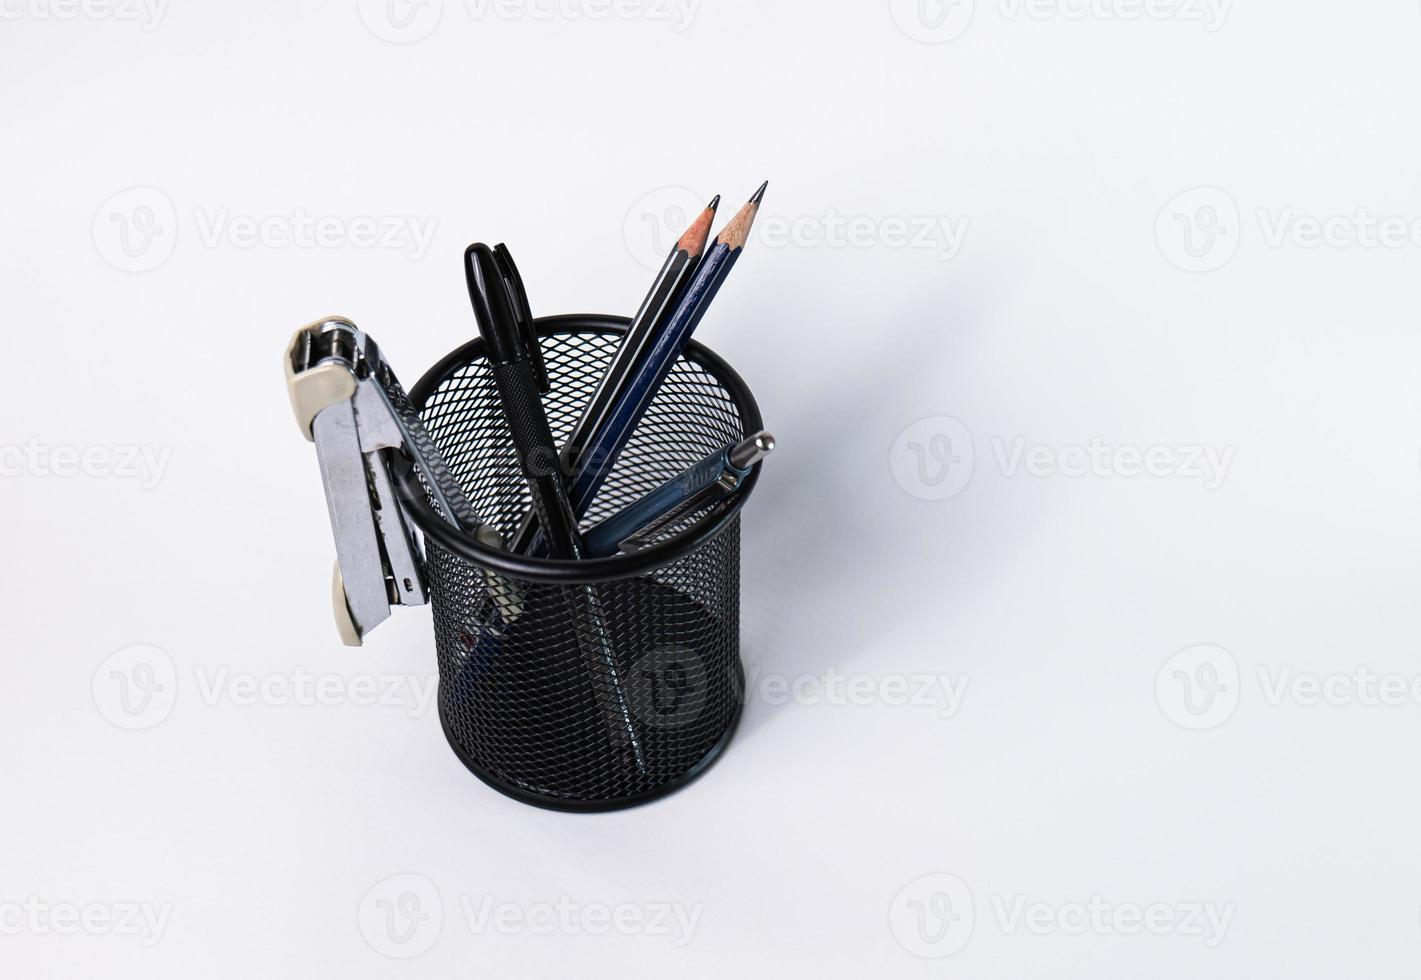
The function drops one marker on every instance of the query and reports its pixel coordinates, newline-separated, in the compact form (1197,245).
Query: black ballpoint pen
(518,373)
(506,325)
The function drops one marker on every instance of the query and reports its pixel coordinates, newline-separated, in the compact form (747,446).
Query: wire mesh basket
(603,683)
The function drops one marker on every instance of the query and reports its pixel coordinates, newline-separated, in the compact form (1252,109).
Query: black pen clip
(522,314)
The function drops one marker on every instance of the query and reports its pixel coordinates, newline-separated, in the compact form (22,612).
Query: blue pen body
(606,537)
(602,450)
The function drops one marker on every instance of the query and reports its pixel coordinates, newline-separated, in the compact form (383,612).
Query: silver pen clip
(647,534)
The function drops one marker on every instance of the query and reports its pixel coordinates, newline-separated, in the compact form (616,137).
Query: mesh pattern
(581,694)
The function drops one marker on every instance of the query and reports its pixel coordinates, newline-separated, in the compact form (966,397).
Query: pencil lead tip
(760,194)
(715,203)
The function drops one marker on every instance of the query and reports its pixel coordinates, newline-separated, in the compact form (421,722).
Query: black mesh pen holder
(604,683)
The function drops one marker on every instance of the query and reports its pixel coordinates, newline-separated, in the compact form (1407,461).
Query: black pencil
(600,454)
(660,301)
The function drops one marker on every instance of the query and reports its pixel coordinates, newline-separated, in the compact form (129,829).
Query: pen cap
(493,310)
(751,450)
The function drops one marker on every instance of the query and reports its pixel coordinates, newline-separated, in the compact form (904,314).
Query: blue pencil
(607,443)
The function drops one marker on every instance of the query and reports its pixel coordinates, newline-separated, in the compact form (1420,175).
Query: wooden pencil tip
(737,230)
(693,241)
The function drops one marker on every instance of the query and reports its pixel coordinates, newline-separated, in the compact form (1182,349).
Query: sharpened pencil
(602,449)
(660,302)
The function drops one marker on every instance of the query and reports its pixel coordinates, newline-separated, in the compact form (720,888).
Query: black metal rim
(565,805)
(596,569)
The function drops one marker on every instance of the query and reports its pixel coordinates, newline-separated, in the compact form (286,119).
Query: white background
(1138,186)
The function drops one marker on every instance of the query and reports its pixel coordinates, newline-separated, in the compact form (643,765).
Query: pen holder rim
(592,570)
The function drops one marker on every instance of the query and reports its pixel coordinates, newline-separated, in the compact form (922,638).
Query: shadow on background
(834,549)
